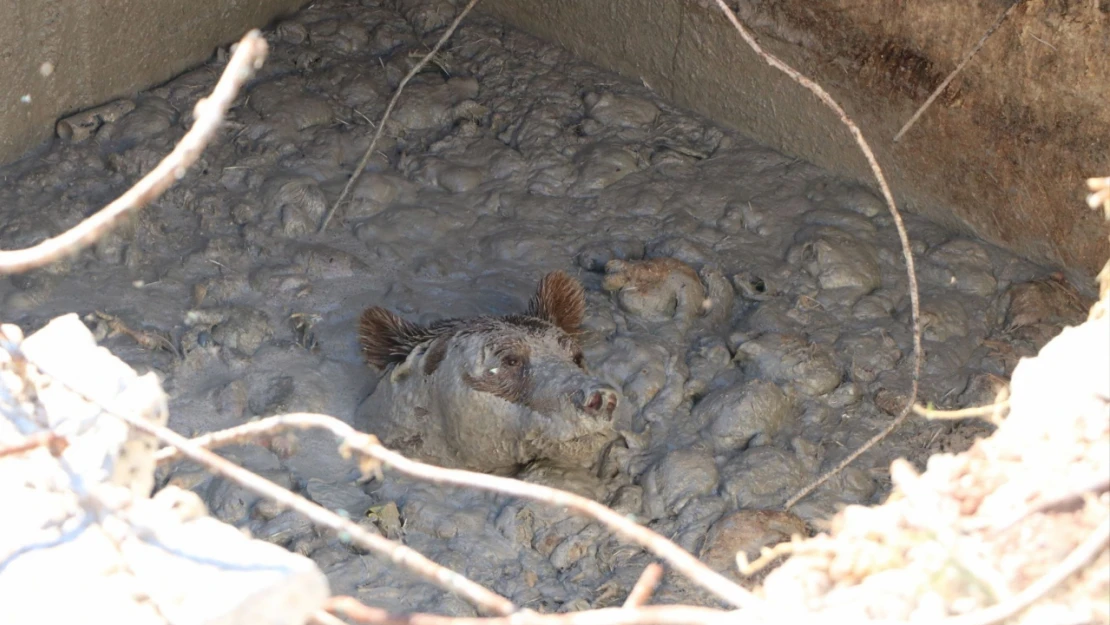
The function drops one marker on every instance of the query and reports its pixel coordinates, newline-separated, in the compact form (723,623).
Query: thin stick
(652,615)
(55,443)
(1086,551)
(389,109)
(369,446)
(1100,484)
(208,114)
(398,554)
(641,592)
(963,413)
(321,617)
(974,49)
(903,236)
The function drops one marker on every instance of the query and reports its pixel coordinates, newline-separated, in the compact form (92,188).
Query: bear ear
(560,300)
(386,339)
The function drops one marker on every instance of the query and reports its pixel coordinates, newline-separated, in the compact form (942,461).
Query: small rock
(298,200)
(792,361)
(620,110)
(342,498)
(678,477)
(839,261)
(738,414)
(594,256)
(763,477)
(1049,301)
(747,532)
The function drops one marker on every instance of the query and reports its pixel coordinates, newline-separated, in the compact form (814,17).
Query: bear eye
(579,360)
(511,361)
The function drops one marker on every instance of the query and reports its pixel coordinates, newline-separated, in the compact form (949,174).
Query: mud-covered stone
(792,361)
(839,261)
(594,256)
(678,477)
(763,477)
(741,413)
(747,532)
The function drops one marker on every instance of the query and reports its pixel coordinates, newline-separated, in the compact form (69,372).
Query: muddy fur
(490,393)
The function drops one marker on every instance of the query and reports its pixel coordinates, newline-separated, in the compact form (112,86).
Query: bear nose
(597,401)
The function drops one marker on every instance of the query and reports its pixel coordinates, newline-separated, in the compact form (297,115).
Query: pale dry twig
(389,109)
(54,443)
(959,68)
(1086,551)
(352,440)
(399,554)
(903,236)
(648,615)
(990,410)
(209,115)
(641,592)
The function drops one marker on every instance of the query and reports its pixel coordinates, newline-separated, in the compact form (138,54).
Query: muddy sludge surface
(507,159)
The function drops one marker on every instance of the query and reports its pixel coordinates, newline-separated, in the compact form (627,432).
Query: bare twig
(1077,559)
(651,615)
(399,554)
(767,555)
(54,443)
(1100,484)
(320,617)
(963,413)
(641,592)
(967,58)
(209,115)
(389,109)
(903,236)
(369,446)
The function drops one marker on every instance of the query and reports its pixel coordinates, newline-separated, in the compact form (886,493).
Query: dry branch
(407,558)
(53,442)
(209,115)
(1077,559)
(959,68)
(1095,486)
(352,440)
(650,615)
(641,592)
(903,236)
(994,411)
(389,109)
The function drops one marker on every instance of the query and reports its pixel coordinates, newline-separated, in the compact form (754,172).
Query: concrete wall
(61,56)
(1003,153)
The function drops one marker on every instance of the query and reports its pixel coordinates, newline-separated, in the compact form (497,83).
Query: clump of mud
(749,309)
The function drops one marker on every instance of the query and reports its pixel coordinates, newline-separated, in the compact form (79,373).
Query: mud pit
(750,308)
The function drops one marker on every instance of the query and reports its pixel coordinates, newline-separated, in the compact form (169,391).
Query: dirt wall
(1003,152)
(62,56)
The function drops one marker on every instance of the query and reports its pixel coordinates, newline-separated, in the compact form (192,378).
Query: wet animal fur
(386,338)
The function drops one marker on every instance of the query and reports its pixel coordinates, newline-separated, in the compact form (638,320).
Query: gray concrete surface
(61,56)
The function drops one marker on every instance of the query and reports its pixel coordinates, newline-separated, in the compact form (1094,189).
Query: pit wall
(1002,153)
(61,56)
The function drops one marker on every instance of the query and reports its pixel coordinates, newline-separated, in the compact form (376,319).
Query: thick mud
(750,308)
